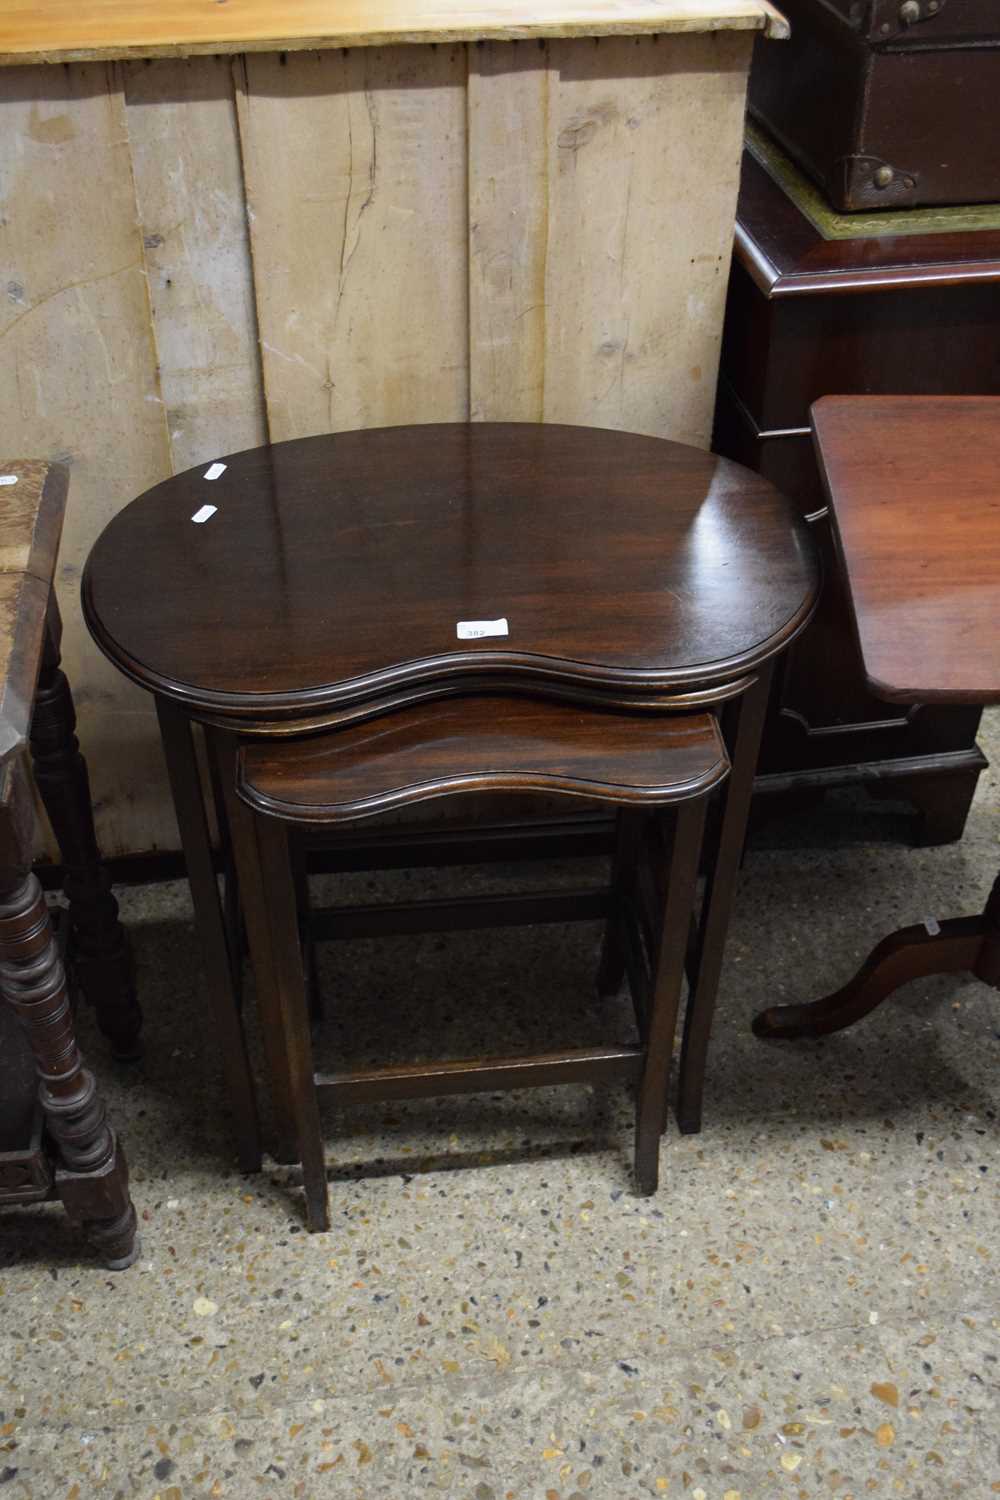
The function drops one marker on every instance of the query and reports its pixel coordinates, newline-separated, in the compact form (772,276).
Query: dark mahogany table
(811,313)
(914,488)
(330,582)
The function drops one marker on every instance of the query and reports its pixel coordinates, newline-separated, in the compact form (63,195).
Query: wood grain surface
(61,31)
(337,569)
(484,744)
(914,487)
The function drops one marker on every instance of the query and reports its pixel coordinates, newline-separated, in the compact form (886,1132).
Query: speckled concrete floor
(807,1309)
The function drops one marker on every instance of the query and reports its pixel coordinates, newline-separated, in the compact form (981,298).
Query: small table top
(32,503)
(486,743)
(914,487)
(338,568)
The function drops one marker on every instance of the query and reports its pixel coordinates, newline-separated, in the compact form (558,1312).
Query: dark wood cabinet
(812,313)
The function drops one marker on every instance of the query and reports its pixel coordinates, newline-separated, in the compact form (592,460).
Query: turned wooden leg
(101,957)
(960,944)
(92,1176)
(743,723)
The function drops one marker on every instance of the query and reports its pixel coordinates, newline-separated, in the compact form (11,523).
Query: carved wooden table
(90,1175)
(331,582)
(914,487)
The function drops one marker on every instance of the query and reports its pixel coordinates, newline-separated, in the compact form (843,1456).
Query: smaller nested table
(914,488)
(645,766)
(89,1173)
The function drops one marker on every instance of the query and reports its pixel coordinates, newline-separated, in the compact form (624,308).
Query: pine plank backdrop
(201,254)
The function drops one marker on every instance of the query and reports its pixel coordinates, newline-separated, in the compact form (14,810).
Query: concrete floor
(808,1308)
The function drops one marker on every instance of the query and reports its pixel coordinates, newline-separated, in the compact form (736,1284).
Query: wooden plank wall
(198,255)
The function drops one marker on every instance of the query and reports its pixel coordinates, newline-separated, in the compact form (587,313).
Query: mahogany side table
(322,581)
(657,771)
(89,1175)
(820,304)
(914,488)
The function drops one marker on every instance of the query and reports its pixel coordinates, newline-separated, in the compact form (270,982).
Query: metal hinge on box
(866,181)
(932,25)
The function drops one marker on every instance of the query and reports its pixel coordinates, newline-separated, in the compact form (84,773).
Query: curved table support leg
(910,953)
(92,1179)
(102,959)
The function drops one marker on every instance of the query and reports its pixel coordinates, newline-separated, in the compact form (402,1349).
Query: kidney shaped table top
(327,579)
(340,567)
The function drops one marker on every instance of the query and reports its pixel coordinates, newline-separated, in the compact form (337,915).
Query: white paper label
(214,471)
(204,514)
(933,926)
(474,630)
(8,478)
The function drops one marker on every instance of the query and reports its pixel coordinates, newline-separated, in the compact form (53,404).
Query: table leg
(185,783)
(231,914)
(668,977)
(240,820)
(272,855)
(101,956)
(961,943)
(988,964)
(92,1174)
(743,724)
(628,837)
(303,903)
